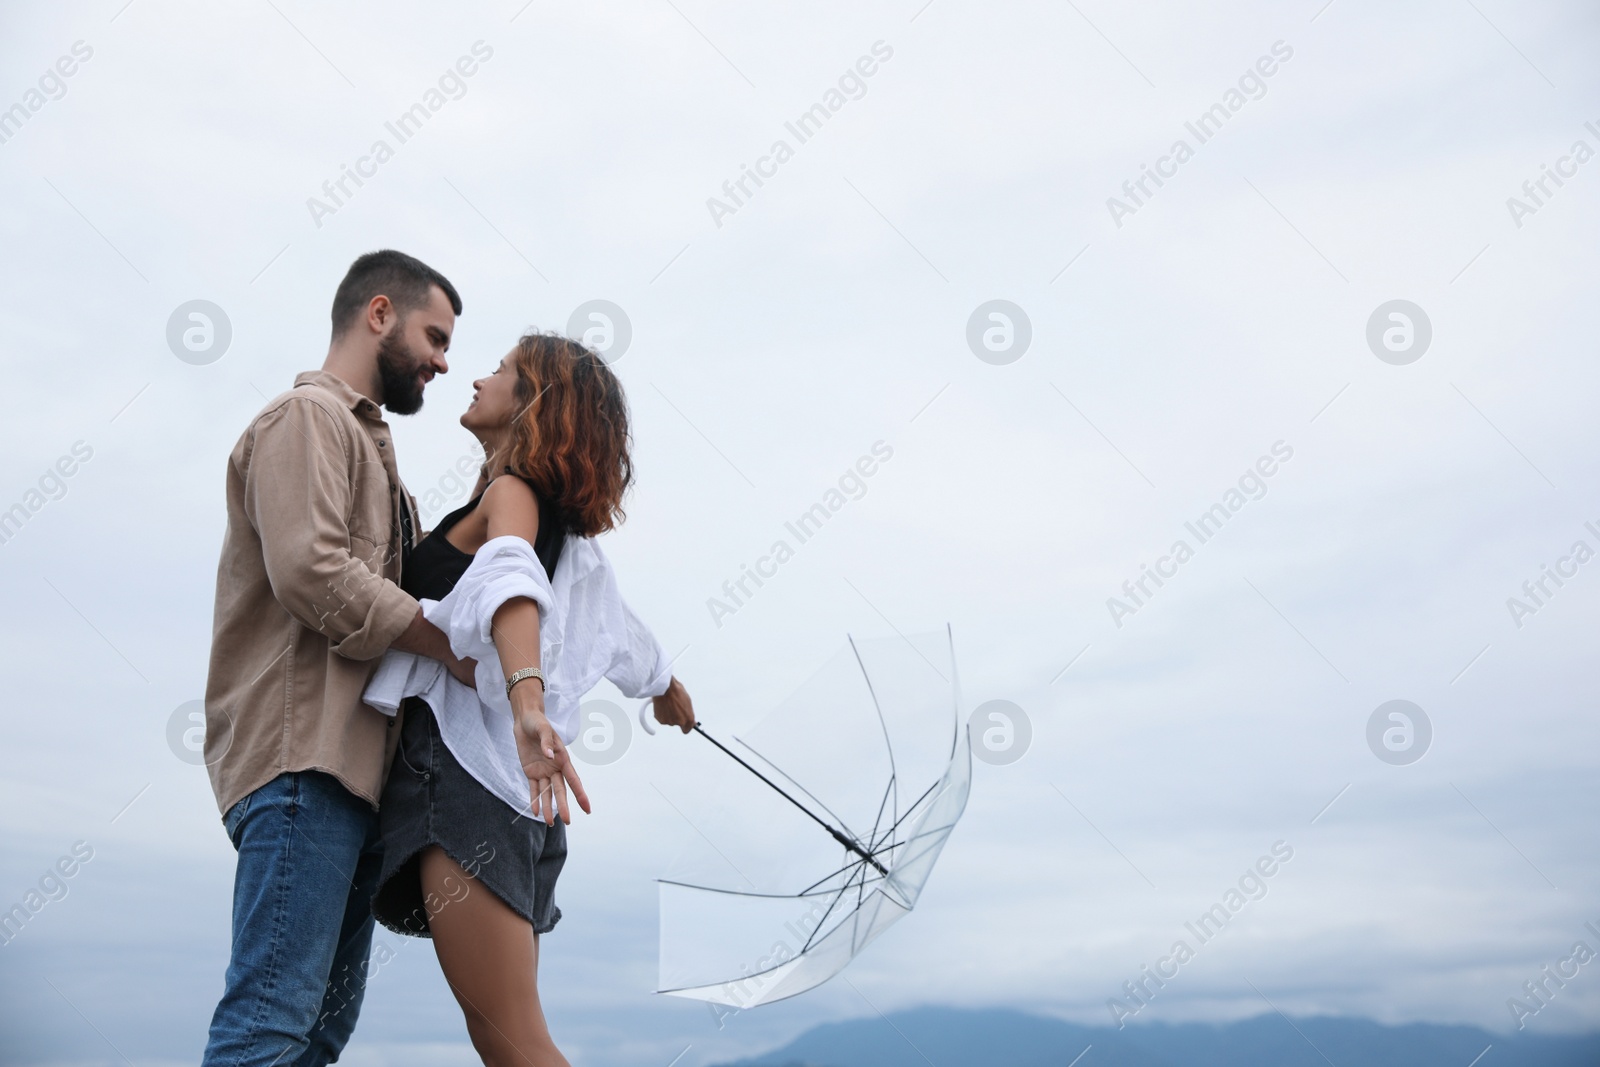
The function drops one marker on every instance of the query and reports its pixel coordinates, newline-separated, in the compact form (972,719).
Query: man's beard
(398,373)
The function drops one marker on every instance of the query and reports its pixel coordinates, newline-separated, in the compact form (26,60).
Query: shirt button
(382,443)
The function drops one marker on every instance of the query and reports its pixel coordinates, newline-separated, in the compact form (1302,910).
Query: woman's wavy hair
(570,436)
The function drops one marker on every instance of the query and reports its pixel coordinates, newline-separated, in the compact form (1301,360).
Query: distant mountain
(951,1037)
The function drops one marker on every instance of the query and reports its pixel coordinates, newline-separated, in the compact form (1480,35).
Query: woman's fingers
(569,774)
(559,785)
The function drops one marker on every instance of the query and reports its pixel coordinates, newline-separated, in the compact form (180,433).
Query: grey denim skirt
(430,799)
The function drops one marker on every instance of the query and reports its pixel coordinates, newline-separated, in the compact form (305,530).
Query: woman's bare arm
(511,510)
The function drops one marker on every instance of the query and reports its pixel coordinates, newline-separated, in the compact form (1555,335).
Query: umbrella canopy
(871,748)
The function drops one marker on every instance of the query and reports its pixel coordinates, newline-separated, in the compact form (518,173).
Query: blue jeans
(309,856)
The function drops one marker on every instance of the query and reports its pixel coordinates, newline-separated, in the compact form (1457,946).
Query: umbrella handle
(644,717)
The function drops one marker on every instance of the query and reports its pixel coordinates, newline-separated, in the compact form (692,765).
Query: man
(307,601)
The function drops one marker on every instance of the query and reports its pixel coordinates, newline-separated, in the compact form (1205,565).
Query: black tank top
(435,565)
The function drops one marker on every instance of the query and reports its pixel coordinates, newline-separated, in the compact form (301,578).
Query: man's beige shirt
(307,594)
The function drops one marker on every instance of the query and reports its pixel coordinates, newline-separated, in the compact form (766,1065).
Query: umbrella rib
(882,724)
(861,889)
(914,837)
(806,892)
(909,812)
(837,894)
(813,935)
(862,871)
(877,820)
(824,878)
(747,893)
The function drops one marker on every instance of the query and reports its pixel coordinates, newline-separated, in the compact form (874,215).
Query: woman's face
(494,399)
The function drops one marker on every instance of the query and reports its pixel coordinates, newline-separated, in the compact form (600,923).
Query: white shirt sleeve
(639,667)
(634,661)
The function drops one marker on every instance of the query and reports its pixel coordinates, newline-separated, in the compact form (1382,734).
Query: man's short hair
(405,280)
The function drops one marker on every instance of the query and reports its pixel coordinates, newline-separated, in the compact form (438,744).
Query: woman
(467,859)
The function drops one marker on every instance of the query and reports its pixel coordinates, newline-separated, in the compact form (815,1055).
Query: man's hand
(425,639)
(674,708)
(548,765)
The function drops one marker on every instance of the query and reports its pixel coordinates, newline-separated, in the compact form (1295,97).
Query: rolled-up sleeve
(297,495)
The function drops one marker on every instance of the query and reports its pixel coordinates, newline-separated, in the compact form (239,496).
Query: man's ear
(380,314)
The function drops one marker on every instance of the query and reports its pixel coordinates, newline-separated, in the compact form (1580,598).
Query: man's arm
(297,495)
(426,639)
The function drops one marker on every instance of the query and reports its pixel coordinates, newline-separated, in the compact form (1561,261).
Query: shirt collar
(341,389)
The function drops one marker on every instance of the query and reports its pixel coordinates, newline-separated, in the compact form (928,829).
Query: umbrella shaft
(839,836)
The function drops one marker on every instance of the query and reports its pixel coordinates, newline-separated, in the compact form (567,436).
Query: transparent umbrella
(869,770)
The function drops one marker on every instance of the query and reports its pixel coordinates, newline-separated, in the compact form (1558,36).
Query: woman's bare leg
(490,957)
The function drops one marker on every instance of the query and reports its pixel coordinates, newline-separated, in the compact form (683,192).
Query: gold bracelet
(526,672)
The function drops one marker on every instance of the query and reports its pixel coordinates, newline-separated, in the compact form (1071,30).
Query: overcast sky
(1176,339)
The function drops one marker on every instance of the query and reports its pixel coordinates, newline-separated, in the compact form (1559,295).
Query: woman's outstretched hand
(674,708)
(549,768)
